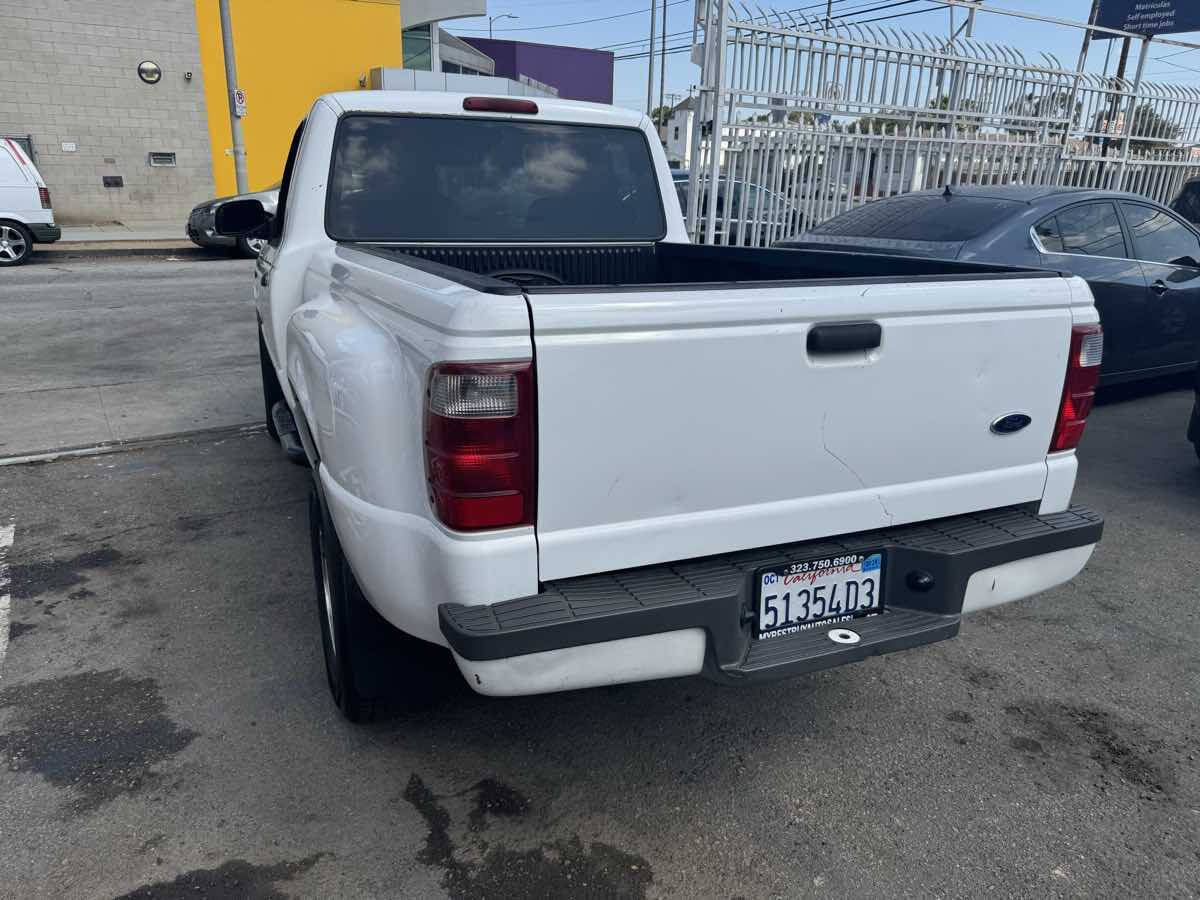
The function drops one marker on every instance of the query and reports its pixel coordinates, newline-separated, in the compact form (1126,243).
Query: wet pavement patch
(495,798)
(560,868)
(97,734)
(1117,747)
(234,880)
(32,579)
(193,523)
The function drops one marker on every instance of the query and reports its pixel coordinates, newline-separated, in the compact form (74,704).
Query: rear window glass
(411,178)
(926,218)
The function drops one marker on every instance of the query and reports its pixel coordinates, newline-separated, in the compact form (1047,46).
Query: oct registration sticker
(817,592)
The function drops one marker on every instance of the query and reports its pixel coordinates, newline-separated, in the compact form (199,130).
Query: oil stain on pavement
(1119,748)
(97,734)
(561,868)
(32,579)
(233,880)
(19,629)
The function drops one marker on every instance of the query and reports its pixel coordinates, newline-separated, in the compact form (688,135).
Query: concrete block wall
(69,75)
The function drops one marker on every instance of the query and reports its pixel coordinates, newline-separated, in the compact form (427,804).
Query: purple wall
(578,73)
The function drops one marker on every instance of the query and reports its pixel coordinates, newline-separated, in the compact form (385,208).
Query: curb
(106,448)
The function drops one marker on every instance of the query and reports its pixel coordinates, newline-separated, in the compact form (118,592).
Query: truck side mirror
(240,218)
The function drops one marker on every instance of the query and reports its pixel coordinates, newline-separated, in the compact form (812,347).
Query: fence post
(716,138)
(698,118)
(1131,112)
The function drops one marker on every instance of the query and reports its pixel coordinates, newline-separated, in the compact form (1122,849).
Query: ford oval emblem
(1011,423)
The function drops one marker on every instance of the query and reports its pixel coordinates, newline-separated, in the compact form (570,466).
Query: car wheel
(272,392)
(250,247)
(16,244)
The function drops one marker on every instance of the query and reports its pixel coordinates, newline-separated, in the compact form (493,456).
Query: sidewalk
(115,231)
(118,239)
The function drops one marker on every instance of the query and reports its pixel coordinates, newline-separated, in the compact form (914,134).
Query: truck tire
(272,392)
(352,633)
(16,243)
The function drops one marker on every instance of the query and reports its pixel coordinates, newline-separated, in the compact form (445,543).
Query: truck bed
(549,267)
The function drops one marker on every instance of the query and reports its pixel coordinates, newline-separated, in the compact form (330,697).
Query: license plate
(803,595)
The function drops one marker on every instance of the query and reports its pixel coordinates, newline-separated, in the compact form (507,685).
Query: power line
(913,12)
(636,12)
(636,41)
(841,21)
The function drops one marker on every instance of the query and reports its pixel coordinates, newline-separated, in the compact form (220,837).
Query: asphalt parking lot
(165,729)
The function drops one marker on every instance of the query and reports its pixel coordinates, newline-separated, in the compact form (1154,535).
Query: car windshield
(929,217)
(422,178)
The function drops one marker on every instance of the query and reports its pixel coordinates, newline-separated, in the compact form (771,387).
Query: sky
(625,21)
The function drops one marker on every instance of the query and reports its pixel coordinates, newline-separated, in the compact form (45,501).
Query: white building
(677,133)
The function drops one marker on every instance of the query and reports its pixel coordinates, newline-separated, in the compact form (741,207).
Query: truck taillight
(44,195)
(1079,387)
(480,444)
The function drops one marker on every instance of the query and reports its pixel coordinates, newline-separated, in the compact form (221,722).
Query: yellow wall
(289,52)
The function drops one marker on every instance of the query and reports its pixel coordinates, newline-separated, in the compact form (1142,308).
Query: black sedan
(1141,260)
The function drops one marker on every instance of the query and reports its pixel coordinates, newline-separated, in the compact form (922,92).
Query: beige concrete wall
(69,75)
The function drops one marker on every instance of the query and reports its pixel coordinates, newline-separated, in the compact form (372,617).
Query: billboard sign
(1147,16)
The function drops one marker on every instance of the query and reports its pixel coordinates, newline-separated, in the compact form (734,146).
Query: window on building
(676,132)
(418,48)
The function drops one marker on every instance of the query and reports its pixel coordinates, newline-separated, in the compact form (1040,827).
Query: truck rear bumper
(694,617)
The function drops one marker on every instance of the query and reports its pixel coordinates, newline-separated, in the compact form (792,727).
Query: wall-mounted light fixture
(149,71)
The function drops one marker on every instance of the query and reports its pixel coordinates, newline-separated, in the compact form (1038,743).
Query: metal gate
(799,121)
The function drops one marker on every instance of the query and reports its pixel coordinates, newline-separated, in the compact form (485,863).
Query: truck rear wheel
(368,661)
(352,633)
(272,392)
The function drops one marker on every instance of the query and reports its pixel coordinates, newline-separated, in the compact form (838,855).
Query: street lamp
(492,19)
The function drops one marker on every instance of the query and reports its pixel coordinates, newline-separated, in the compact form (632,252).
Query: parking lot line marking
(7,532)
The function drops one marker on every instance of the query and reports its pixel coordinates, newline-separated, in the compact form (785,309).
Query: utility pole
(1115,105)
(662,65)
(1083,52)
(235,119)
(650,73)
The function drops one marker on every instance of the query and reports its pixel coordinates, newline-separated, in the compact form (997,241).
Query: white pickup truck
(550,434)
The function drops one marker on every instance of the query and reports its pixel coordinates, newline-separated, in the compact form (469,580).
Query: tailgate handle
(844,337)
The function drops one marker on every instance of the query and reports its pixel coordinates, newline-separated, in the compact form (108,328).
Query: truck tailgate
(681,422)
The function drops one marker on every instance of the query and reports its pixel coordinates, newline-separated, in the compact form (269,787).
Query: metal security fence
(798,122)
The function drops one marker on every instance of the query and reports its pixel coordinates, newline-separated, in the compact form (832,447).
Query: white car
(552,436)
(26,214)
